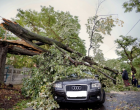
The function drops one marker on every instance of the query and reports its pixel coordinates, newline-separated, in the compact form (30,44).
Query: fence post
(12,68)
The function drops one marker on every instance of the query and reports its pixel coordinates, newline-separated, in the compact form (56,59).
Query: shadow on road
(83,106)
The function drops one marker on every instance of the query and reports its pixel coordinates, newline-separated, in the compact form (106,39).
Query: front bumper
(93,95)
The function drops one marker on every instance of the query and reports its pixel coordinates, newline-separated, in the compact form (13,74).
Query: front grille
(76,88)
(76,98)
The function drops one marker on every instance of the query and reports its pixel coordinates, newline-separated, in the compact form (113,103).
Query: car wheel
(103,100)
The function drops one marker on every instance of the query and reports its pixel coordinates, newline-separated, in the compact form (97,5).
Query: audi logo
(76,87)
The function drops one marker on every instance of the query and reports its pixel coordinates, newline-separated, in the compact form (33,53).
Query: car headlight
(57,85)
(96,85)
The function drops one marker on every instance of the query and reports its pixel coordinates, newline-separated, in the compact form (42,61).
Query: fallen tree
(27,47)
(28,37)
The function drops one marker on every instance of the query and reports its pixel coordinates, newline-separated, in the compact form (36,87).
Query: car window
(87,72)
(75,75)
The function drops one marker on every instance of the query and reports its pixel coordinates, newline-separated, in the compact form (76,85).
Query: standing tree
(130,49)
(3,54)
(97,26)
(60,26)
(131,4)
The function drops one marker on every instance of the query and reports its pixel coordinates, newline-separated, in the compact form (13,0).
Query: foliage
(21,105)
(114,63)
(130,49)
(2,32)
(61,26)
(19,61)
(51,67)
(136,63)
(131,4)
(125,66)
(95,27)
(99,56)
(8,35)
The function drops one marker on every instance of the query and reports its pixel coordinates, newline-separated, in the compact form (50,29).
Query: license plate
(76,94)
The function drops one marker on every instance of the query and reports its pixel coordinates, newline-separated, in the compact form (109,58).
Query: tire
(103,100)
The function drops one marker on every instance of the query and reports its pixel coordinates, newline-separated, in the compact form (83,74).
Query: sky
(83,9)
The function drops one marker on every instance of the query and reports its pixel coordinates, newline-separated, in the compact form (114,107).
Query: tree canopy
(60,26)
(130,49)
(132,4)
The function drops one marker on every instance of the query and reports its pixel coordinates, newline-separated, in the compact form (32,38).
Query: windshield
(74,75)
(87,72)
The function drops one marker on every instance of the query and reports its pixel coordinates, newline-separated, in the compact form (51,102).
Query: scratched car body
(79,90)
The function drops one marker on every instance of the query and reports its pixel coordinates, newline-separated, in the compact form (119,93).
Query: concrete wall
(14,75)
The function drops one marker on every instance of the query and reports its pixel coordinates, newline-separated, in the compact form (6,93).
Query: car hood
(78,81)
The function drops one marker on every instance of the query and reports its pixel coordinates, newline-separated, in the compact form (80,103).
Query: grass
(21,105)
(18,86)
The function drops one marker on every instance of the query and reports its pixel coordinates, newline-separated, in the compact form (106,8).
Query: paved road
(121,100)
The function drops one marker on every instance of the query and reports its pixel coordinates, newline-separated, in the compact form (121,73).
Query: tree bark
(21,51)
(3,54)
(28,36)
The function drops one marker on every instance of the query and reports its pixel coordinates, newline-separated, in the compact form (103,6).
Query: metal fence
(14,76)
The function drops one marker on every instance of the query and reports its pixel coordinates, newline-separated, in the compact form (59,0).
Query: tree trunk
(3,54)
